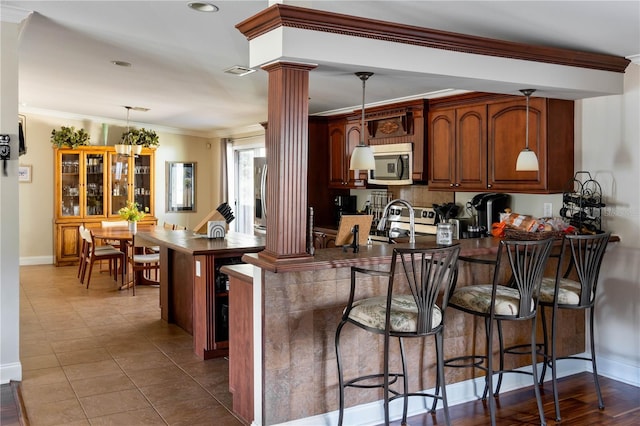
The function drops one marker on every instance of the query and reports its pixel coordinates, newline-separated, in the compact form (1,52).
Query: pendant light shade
(362,156)
(527,160)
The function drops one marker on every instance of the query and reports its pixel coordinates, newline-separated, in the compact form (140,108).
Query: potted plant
(69,137)
(140,137)
(132,213)
(148,138)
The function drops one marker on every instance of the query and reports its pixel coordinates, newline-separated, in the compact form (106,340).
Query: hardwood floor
(102,356)
(578,406)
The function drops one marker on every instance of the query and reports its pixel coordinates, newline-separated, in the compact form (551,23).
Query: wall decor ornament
(24,173)
(5,151)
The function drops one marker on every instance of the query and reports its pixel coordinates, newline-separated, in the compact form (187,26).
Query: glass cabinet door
(70,184)
(119,179)
(142,179)
(94,184)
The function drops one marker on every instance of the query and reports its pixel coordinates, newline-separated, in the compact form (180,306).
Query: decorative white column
(10,367)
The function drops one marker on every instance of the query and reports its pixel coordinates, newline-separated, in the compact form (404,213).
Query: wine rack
(582,203)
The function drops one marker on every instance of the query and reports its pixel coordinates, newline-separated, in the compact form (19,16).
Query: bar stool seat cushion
(477,298)
(404,312)
(568,291)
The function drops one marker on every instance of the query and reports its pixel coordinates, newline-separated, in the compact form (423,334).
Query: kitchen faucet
(412,218)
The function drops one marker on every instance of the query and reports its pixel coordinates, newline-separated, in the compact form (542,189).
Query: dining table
(124,236)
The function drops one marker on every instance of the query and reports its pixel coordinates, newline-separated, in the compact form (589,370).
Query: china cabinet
(91,184)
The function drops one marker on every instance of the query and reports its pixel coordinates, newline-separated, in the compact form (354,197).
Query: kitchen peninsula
(193,292)
(298,305)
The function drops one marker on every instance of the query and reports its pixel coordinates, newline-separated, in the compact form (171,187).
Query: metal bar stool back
(417,293)
(584,254)
(496,302)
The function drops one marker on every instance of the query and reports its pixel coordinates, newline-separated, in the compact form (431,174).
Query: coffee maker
(344,204)
(488,208)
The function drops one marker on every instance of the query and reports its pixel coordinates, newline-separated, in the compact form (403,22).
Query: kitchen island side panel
(301,311)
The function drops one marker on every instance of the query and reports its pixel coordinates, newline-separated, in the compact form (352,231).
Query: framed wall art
(24,174)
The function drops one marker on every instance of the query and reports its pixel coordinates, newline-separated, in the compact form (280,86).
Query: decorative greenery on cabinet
(146,138)
(69,137)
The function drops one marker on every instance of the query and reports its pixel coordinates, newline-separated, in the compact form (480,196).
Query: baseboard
(372,413)
(616,370)
(36,260)
(9,372)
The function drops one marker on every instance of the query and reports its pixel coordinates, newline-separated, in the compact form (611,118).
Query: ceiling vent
(239,70)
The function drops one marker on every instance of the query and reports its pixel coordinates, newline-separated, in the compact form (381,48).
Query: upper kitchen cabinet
(344,135)
(474,141)
(400,123)
(550,137)
(458,148)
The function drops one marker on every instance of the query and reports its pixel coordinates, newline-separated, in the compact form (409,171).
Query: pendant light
(124,148)
(362,156)
(527,160)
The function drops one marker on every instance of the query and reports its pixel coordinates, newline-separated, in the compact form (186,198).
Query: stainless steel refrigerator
(260,192)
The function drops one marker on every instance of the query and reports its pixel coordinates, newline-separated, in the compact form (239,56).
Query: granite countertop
(374,254)
(192,243)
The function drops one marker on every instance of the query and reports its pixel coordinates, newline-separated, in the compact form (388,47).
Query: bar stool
(428,273)
(526,260)
(585,254)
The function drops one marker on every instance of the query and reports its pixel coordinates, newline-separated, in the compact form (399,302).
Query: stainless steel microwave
(394,164)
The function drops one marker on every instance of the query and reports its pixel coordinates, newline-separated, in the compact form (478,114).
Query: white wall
(10,367)
(609,147)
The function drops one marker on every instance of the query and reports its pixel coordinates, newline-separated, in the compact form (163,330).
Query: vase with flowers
(133,213)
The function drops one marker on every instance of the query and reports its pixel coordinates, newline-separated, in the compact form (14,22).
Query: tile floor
(103,357)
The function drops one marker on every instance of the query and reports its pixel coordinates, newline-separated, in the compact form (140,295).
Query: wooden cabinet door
(68,176)
(68,243)
(506,138)
(442,149)
(471,148)
(457,143)
(352,140)
(94,184)
(337,149)
(142,180)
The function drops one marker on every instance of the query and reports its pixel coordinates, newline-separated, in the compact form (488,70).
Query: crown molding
(634,58)
(281,15)
(13,15)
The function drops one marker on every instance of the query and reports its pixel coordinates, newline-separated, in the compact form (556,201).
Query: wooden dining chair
(142,260)
(107,253)
(83,251)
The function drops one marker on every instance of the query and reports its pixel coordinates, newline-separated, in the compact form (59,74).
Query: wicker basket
(517,234)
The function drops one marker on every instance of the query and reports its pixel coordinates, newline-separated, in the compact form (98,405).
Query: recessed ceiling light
(121,63)
(203,6)
(239,70)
